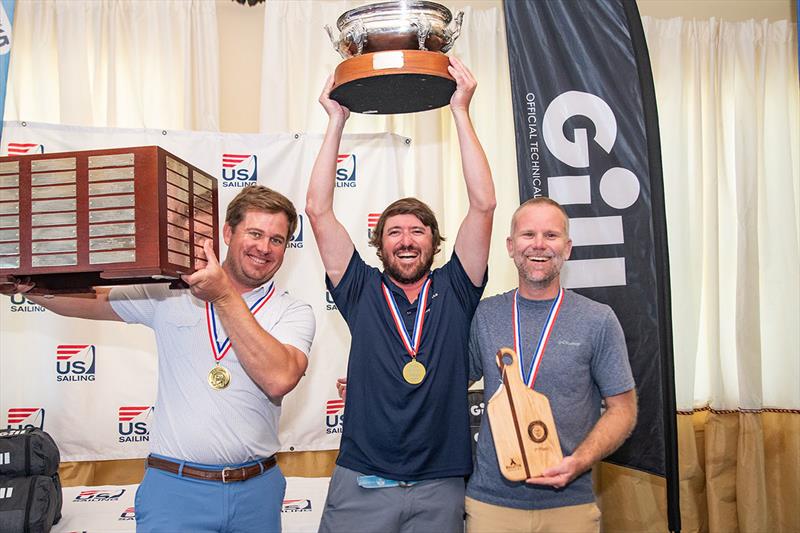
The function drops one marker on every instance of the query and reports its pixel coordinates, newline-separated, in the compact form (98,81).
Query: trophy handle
(423,26)
(337,43)
(452,33)
(358,35)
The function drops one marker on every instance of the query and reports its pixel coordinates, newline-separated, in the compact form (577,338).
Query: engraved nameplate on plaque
(71,221)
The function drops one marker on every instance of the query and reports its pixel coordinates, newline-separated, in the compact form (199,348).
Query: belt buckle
(227,470)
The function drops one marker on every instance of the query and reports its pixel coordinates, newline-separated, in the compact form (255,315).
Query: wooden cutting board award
(524,431)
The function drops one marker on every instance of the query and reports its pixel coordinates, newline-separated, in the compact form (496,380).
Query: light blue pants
(166,502)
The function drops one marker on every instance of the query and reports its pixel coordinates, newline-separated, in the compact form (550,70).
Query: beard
(391,266)
(539,278)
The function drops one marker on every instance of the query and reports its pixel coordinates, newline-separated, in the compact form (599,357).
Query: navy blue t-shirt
(391,428)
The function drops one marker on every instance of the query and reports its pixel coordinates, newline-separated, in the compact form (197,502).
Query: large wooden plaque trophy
(523,428)
(74,220)
(395,58)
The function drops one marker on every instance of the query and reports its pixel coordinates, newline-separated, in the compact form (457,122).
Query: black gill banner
(587,137)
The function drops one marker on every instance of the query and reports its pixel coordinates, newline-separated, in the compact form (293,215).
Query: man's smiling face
(539,245)
(406,248)
(256,247)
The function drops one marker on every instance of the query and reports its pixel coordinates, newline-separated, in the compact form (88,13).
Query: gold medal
(219,377)
(414,372)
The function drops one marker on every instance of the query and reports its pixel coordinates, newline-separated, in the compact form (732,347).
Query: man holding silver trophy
(405,447)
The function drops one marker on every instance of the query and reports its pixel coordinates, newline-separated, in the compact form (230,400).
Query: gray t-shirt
(585,360)
(192,421)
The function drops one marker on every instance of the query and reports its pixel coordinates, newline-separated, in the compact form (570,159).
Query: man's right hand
(341,386)
(334,109)
(11,285)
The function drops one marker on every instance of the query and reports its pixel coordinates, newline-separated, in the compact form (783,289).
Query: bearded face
(406,249)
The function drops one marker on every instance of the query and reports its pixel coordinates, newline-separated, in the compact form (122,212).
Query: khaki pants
(486,518)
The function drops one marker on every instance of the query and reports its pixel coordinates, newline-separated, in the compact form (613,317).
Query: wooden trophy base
(394,82)
(84,282)
(523,428)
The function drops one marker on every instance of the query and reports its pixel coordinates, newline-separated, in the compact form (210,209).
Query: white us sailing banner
(92,385)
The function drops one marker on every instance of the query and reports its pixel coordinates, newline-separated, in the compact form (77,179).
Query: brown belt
(226,475)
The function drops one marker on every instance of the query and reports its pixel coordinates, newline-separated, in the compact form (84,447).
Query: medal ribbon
(220,349)
(544,336)
(411,346)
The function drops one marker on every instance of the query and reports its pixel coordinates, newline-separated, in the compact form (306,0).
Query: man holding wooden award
(229,348)
(572,351)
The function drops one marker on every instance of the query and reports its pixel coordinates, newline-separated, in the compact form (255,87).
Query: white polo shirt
(192,421)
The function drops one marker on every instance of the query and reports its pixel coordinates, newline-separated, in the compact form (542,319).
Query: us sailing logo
(25,148)
(296,241)
(134,423)
(372,221)
(334,416)
(330,303)
(25,417)
(75,362)
(99,495)
(346,170)
(20,304)
(128,514)
(296,506)
(239,170)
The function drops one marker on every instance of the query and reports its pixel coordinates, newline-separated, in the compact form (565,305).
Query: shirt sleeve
(611,368)
(296,326)
(136,304)
(467,294)
(475,361)
(348,291)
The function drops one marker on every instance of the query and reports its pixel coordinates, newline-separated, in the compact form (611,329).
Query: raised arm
(334,243)
(275,367)
(91,306)
(475,233)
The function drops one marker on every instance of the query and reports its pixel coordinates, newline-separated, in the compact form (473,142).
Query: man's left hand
(211,282)
(465,84)
(560,475)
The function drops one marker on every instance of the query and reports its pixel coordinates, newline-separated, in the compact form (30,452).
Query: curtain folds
(116,64)
(729,112)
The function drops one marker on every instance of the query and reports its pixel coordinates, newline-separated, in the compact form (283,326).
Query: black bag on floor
(27,504)
(59,498)
(27,452)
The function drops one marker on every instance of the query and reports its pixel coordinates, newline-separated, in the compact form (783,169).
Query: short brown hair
(408,206)
(541,200)
(260,198)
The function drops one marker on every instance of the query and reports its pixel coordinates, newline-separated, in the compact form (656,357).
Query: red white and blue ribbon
(533,368)
(220,349)
(412,343)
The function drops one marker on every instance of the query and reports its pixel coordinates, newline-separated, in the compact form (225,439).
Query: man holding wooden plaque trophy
(230,342)
(391,473)
(572,350)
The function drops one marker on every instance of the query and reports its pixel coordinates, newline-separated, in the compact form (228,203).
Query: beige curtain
(729,114)
(151,64)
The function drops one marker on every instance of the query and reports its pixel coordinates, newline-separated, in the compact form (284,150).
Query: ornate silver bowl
(399,25)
